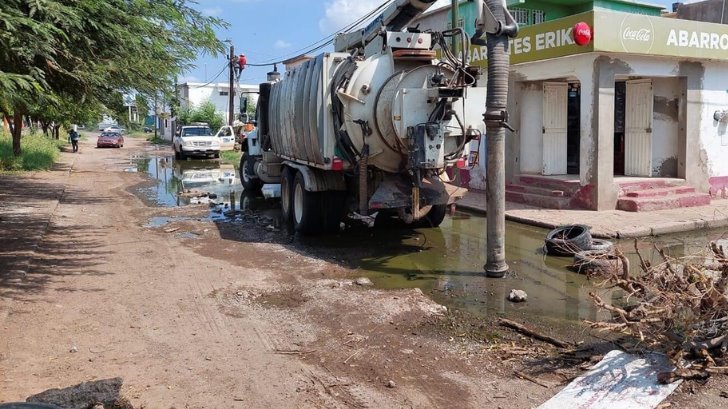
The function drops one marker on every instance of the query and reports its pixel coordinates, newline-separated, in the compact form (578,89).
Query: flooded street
(445,262)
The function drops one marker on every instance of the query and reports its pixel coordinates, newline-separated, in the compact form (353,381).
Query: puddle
(447,263)
(187,182)
(161,221)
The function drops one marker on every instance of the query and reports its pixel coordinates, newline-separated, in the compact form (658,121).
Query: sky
(273,30)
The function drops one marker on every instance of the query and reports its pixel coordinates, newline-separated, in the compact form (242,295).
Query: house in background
(193,94)
(634,118)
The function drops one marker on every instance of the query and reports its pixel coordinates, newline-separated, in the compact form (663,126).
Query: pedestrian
(73,137)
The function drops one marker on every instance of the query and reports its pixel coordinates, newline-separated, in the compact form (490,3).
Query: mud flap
(396,192)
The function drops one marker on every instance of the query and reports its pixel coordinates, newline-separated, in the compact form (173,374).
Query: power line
(224,67)
(328,39)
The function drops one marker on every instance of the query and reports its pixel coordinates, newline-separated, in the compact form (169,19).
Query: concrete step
(649,184)
(569,187)
(544,201)
(664,191)
(533,190)
(673,201)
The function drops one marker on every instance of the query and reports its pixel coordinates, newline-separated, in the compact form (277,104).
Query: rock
(391,384)
(517,296)
(74,349)
(106,393)
(363,281)
(212,195)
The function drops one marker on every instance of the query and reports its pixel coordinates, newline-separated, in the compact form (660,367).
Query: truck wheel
(306,207)
(287,176)
(182,154)
(176,154)
(247,174)
(433,218)
(216,155)
(332,210)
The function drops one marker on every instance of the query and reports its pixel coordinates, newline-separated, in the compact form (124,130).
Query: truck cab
(196,140)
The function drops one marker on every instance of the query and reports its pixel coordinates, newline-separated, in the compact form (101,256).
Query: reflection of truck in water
(207,176)
(369,128)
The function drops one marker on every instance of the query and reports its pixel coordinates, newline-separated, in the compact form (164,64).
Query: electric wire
(328,39)
(224,67)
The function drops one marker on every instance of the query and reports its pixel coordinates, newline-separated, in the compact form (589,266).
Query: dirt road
(199,314)
(200,321)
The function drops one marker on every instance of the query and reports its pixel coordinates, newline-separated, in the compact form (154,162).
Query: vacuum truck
(369,128)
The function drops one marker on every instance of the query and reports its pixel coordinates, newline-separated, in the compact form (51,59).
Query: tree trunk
(45,126)
(17,129)
(57,131)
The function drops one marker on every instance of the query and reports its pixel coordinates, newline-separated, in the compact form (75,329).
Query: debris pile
(679,306)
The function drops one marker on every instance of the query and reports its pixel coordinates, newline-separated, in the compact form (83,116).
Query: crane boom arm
(394,18)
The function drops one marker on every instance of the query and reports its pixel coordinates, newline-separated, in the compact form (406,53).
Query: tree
(89,50)
(205,112)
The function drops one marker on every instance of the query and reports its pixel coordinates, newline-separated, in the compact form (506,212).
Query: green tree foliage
(85,52)
(205,112)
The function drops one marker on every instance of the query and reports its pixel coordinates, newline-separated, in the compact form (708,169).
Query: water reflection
(181,183)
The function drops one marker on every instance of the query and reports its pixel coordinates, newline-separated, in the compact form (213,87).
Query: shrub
(39,152)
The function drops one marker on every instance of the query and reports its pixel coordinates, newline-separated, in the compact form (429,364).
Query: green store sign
(615,32)
(541,41)
(638,34)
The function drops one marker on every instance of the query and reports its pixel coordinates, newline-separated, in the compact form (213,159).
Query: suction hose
(495,122)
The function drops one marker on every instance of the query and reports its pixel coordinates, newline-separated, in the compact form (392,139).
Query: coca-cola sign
(641,34)
(637,34)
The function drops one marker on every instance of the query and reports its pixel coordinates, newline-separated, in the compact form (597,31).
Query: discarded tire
(603,245)
(596,262)
(568,240)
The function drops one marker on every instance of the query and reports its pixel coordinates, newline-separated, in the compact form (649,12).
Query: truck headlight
(185,143)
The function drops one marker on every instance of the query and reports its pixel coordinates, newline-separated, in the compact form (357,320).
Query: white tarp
(619,381)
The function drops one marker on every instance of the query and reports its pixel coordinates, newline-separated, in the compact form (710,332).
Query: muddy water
(176,183)
(446,262)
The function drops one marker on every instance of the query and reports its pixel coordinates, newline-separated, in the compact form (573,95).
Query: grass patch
(232,157)
(137,134)
(158,140)
(39,152)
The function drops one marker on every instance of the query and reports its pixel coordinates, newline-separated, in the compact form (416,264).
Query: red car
(112,139)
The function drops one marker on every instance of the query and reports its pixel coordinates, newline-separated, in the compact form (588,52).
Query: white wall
(714,135)
(194,94)
(665,132)
(530,99)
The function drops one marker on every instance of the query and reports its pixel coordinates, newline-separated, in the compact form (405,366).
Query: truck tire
(287,176)
(305,207)
(247,174)
(182,155)
(434,217)
(568,240)
(216,155)
(332,210)
(176,154)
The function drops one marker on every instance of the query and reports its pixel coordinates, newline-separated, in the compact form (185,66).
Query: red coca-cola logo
(582,33)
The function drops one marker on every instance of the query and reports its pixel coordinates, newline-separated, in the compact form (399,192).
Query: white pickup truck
(196,140)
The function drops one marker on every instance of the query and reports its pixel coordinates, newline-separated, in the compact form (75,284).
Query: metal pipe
(231,93)
(495,118)
(455,11)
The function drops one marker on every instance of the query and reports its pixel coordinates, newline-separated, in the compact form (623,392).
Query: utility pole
(231,94)
(455,11)
(156,115)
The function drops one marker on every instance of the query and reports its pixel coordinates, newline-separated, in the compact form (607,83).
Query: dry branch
(533,334)
(677,305)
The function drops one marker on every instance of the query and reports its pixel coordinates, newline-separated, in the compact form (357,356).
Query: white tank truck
(369,128)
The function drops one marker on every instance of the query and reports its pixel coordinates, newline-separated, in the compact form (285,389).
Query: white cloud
(187,78)
(282,44)
(340,13)
(212,11)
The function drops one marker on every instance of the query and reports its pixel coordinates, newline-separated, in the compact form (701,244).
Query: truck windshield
(201,131)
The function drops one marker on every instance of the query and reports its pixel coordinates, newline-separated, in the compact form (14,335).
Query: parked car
(113,139)
(148,129)
(226,136)
(196,140)
(115,128)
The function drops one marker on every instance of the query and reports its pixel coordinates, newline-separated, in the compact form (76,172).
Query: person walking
(73,137)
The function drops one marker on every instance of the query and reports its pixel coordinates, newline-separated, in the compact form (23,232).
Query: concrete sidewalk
(612,223)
